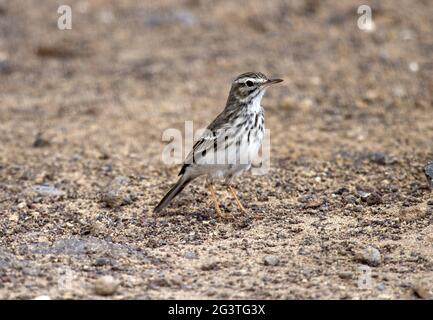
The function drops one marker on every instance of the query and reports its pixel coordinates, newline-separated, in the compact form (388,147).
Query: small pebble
(378,158)
(271,261)
(106,286)
(370,197)
(211,292)
(422,290)
(371,256)
(341,190)
(413,66)
(345,275)
(381,287)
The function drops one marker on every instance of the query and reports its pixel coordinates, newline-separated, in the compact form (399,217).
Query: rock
(271,260)
(345,275)
(341,190)
(351,199)
(428,170)
(211,292)
(369,196)
(47,190)
(378,158)
(115,194)
(370,256)
(413,66)
(105,286)
(380,286)
(374,199)
(422,290)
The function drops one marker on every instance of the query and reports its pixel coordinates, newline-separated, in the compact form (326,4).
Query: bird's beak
(272,81)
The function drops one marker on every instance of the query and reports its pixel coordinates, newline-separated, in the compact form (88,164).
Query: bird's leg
(238,202)
(215,200)
(220,215)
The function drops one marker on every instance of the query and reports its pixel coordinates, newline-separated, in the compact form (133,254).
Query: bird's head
(249,86)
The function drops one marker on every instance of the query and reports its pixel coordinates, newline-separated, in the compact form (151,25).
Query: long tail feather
(174,191)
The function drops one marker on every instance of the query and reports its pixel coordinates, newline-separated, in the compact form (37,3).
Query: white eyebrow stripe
(255,80)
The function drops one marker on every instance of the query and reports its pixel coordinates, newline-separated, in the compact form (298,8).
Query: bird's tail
(174,191)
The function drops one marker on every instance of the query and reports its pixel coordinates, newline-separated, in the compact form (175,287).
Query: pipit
(230,143)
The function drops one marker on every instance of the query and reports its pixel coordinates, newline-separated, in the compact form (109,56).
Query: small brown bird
(230,142)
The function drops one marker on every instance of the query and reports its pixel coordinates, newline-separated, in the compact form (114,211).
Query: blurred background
(83,110)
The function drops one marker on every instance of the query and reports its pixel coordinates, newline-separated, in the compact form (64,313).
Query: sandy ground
(346,207)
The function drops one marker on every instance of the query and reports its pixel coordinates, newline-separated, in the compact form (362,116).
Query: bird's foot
(224,216)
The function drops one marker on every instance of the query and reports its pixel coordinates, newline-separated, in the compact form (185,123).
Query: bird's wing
(207,141)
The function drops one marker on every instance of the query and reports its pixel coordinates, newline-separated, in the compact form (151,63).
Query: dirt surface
(346,207)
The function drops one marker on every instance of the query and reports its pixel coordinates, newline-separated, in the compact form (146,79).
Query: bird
(229,144)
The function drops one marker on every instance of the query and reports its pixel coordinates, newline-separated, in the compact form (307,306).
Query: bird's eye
(249,83)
